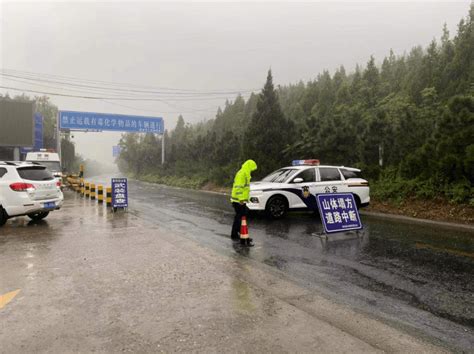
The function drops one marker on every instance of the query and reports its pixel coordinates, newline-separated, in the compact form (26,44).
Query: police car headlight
(256,191)
(254,200)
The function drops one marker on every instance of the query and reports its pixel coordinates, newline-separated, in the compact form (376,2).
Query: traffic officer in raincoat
(240,196)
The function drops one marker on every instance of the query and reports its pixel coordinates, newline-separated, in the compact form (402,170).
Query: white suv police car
(27,189)
(295,187)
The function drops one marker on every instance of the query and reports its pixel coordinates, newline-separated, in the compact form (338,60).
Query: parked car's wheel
(357,200)
(277,207)
(3,216)
(38,216)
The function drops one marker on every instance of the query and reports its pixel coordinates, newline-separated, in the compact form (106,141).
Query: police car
(295,187)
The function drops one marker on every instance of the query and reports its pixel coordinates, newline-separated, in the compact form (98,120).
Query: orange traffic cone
(244,233)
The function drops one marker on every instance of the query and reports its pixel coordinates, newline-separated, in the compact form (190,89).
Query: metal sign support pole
(163,149)
(58,138)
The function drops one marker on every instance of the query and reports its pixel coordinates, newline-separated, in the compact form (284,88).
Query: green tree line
(407,122)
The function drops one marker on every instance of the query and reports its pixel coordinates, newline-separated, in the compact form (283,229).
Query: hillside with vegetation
(406,121)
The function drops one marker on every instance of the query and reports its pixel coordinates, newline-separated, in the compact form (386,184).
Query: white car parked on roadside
(27,189)
(295,187)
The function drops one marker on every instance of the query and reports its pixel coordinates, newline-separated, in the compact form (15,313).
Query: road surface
(415,273)
(166,276)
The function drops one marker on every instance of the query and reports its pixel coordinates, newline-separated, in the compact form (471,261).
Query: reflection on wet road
(408,272)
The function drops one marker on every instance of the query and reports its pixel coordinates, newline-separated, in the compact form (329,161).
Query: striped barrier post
(87,191)
(92,191)
(100,193)
(109,196)
(81,179)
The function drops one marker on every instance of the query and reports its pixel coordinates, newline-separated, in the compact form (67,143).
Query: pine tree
(267,134)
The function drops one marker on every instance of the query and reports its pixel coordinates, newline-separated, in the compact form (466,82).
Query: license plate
(49,205)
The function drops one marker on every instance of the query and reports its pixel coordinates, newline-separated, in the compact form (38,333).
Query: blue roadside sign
(38,131)
(119,193)
(116,150)
(338,212)
(113,122)
(38,143)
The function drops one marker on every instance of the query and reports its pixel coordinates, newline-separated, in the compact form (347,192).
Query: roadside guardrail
(101,193)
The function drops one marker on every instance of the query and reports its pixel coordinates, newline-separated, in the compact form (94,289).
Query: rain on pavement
(414,276)
(398,259)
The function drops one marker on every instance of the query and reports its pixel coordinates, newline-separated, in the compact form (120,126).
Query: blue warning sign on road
(119,193)
(338,212)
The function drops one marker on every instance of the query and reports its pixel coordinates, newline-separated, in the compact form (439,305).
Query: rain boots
(246,242)
(235,238)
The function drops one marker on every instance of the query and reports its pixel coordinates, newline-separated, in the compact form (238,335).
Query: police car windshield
(280,176)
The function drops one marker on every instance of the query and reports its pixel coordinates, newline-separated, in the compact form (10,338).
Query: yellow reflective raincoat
(241,187)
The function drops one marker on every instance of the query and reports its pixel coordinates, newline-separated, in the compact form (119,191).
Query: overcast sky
(203,46)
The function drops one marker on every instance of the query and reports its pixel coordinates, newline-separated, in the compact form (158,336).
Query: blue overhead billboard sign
(113,122)
(338,212)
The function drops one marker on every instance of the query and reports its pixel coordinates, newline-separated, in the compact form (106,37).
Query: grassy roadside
(438,209)
(174,181)
(435,209)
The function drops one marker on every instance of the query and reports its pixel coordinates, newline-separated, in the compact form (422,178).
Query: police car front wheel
(277,207)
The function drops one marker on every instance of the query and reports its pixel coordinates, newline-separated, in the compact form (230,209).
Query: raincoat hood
(249,166)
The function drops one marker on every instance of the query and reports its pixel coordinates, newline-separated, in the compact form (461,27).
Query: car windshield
(51,165)
(280,176)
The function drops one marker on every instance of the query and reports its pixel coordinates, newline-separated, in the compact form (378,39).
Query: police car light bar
(312,162)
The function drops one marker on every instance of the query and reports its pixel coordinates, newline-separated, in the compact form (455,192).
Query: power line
(18,72)
(90,81)
(111,94)
(119,90)
(112,97)
(73,90)
(104,91)
(111,86)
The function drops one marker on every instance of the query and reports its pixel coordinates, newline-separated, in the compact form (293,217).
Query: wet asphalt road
(416,276)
